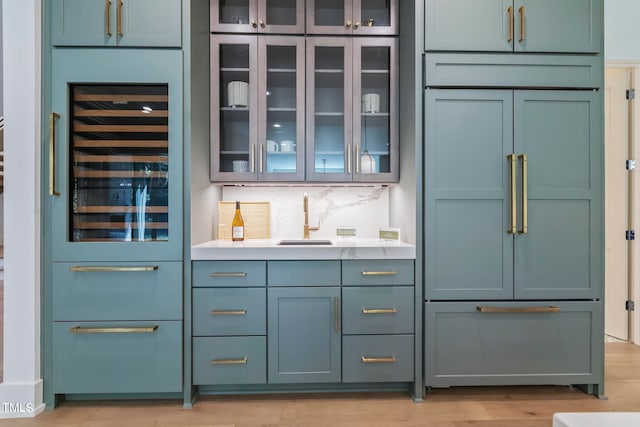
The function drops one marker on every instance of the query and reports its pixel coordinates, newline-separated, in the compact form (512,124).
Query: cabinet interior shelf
(234,69)
(282,109)
(329,113)
(381,71)
(235,109)
(330,71)
(281,70)
(341,153)
(234,152)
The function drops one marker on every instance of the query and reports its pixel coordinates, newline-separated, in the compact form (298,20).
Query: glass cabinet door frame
(91,66)
(257,20)
(353,24)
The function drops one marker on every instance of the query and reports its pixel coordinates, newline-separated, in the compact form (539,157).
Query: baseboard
(21,400)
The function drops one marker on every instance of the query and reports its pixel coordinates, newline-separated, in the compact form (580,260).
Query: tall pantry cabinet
(513,185)
(113,150)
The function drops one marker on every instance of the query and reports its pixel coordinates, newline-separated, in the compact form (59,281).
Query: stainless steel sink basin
(304,242)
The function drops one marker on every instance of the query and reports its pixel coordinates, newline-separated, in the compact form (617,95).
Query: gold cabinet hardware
(391,359)
(254,24)
(369,22)
(119,18)
(348,24)
(242,361)
(510,12)
(136,330)
(523,159)
(356,153)
(348,150)
(549,309)
(228,274)
(252,158)
(109,269)
(336,309)
(379,273)
(522,24)
(228,312)
(107,17)
(52,154)
(261,158)
(261,22)
(379,310)
(356,25)
(512,162)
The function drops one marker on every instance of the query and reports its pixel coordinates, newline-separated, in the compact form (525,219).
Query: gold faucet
(307,229)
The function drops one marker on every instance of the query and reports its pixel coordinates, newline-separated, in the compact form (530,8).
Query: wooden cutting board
(254,214)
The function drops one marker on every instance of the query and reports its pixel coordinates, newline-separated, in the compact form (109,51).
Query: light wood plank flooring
(456,407)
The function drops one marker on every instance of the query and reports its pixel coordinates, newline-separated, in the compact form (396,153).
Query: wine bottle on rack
(237,225)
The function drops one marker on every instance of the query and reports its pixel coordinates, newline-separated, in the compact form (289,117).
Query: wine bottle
(237,225)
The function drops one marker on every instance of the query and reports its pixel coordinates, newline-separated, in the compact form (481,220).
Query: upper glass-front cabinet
(357,17)
(115,155)
(352,120)
(257,108)
(261,16)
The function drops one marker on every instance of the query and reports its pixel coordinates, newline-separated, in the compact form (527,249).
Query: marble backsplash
(365,208)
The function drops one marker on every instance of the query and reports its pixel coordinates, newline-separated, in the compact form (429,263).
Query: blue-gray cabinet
(131,23)
(514,25)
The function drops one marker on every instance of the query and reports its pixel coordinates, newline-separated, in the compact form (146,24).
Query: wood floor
(455,407)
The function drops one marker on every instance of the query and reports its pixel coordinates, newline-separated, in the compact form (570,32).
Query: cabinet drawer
(229,360)
(229,311)
(117,357)
(303,273)
(377,358)
(378,310)
(117,291)
(377,272)
(464,346)
(229,273)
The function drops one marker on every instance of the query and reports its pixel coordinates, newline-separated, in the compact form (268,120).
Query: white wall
(622,30)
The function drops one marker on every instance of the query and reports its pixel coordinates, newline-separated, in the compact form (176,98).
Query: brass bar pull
(107,18)
(549,309)
(510,12)
(336,309)
(228,312)
(81,269)
(523,158)
(356,153)
(349,159)
(252,158)
(137,330)
(379,273)
(242,361)
(261,157)
(52,154)
(512,160)
(522,24)
(228,274)
(391,359)
(379,310)
(119,18)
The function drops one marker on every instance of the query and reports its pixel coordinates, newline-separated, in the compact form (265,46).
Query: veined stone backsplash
(365,208)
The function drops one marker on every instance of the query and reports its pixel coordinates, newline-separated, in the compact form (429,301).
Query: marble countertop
(268,249)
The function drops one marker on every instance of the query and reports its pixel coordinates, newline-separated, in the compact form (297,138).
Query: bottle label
(237,232)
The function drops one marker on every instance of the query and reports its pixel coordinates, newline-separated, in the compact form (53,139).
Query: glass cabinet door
(234,16)
(257,16)
(281,16)
(234,108)
(375,130)
(357,17)
(329,16)
(329,117)
(281,108)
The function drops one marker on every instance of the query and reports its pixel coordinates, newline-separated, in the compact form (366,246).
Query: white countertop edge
(267,249)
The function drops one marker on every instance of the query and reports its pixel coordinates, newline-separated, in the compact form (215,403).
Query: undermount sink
(305,242)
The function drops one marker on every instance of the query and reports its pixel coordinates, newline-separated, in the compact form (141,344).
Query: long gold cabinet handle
(228,312)
(378,273)
(512,188)
(391,359)
(107,18)
(379,310)
(114,269)
(523,159)
(242,361)
(52,154)
(549,309)
(336,308)
(510,12)
(229,274)
(523,21)
(348,150)
(261,158)
(356,153)
(117,330)
(252,158)
(119,18)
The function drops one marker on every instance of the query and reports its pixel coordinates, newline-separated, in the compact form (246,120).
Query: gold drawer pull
(379,273)
(79,269)
(391,359)
(107,12)
(52,154)
(229,274)
(242,361)
(143,330)
(379,310)
(228,312)
(550,309)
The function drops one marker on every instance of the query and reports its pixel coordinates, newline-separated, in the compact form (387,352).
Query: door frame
(634,324)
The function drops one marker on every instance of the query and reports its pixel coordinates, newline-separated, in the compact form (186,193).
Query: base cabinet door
(508,343)
(304,335)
